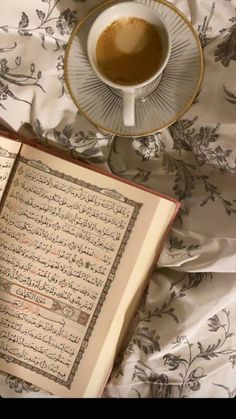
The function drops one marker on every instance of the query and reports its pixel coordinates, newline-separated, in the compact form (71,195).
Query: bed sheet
(184,342)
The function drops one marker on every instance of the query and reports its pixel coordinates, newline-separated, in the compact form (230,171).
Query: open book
(77,246)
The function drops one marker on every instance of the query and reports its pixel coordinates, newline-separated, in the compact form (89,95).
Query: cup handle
(129,108)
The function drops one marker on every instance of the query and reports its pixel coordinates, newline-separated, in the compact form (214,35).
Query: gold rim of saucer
(179,114)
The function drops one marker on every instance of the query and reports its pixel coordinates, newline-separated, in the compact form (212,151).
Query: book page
(66,234)
(8,153)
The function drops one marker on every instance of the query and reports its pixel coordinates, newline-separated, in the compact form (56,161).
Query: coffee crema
(129,51)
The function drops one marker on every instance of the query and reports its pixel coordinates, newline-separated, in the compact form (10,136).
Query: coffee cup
(128,47)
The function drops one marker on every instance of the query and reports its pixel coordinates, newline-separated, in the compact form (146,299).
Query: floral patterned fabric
(184,341)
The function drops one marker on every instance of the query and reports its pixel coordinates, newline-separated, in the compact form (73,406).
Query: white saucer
(180,82)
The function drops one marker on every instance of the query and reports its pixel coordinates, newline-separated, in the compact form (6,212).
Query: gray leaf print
(226,50)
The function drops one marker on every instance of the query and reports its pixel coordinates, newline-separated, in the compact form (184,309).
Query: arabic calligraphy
(40,341)
(60,244)
(6,164)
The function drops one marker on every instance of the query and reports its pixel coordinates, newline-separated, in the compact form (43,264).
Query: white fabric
(184,343)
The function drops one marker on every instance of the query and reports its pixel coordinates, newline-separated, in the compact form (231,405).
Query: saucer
(179,85)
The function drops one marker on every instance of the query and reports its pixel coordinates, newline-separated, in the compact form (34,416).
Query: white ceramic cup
(139,90)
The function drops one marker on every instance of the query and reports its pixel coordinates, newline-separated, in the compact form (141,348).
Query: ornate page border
(118,197)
